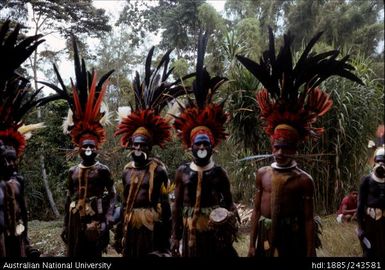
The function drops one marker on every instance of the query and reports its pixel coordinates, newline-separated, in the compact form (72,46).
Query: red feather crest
(301,116)
(212,116)
(14,138)
(87,120)
(158,127)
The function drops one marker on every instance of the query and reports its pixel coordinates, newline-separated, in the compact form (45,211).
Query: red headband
(285,133)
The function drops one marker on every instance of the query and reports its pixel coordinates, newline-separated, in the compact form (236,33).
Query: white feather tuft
(26,130)
(123,112)
(106,119)
(172,110)
(68,122)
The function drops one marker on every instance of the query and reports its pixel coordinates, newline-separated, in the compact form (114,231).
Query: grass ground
(338,240)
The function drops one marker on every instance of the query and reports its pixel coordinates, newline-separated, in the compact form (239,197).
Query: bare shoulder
(182,168)
(220,170)
(103,168)
(305,176)
(307,183)
(263,170)
(160,166)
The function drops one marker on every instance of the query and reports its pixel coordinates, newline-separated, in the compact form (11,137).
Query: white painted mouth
(88,152)
(202,153)
(138,153)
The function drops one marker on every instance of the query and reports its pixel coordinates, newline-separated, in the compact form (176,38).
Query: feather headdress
(85,102)
(281,102)
(202,115)
(151,96)
(16,96)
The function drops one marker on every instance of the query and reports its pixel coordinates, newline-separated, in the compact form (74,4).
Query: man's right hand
(64,235)
(360,233)
(175,248)
(362,236)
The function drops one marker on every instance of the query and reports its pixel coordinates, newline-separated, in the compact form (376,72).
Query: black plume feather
(155,92)
(16,96)
(204,85)
(283,82)
(82,83)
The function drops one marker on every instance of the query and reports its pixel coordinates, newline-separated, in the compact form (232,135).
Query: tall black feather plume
(82,83)
(204,85)
(200,89)
(155,92)
(16,95)
(283,81)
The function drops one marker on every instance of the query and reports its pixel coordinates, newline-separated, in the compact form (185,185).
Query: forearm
(310,243)
(254,228)
(111,202)
(177,224)
(66,209)
(347,212)
(177,217)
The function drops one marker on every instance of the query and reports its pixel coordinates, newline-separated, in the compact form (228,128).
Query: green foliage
(173,155)
(241,173)
(344,22)
(244,123)
(209,19)
(65,16)
(53,144)
(249,35)
(181,67)
(355,115)
(178,19)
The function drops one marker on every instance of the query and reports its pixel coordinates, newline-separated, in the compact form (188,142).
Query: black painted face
(141,149)
(8,165)
(379,169)
(202,150)
(88,150)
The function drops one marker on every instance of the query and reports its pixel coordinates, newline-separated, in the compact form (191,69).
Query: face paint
(138,153)
(202,153)
(139,157)
(88,151)
(8,162)
(140,148)
(379,170)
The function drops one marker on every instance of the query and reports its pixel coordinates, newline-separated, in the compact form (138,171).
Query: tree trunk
(42,162)
(47,188)
(44,172)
